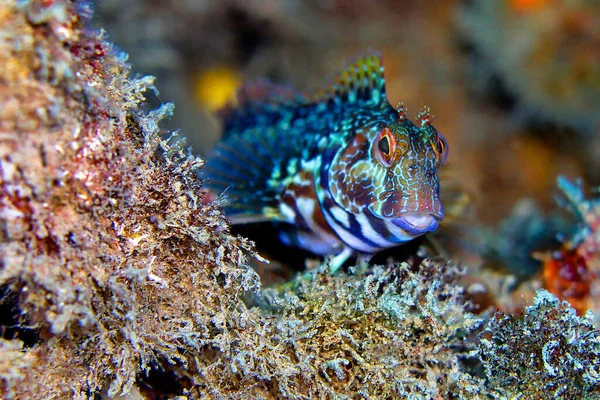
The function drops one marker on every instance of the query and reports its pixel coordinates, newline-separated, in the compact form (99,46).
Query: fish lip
(417,223)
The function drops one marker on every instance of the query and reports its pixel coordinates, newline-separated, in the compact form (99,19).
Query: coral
(543,52)
(548,352)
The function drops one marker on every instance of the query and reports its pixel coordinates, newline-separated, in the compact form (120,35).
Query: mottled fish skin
(344,171)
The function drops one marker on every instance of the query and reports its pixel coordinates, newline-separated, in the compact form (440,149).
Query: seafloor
(120,278)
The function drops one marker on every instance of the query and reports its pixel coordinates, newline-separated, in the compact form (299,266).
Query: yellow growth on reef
(216,87)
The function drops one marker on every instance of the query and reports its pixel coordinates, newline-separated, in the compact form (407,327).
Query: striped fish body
(342,173)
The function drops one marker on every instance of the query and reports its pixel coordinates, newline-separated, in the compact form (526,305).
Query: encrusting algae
(129,279)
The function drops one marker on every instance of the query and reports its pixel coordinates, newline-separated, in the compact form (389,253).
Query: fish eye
(441,148)
(386,147)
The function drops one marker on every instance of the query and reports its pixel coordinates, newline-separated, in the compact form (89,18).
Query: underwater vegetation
(122,280)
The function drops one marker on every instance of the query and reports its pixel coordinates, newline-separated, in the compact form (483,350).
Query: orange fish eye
(440,146)
(385,148)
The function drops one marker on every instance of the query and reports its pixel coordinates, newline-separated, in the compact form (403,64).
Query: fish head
(390,169)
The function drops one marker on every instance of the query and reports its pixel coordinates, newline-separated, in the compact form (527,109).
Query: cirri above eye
(385,149)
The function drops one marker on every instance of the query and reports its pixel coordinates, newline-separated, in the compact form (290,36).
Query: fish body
(344,172)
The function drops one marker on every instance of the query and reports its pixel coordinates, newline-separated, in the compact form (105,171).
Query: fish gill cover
(122,282)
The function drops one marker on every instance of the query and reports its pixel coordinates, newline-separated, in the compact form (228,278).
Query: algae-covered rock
(548,352)
(393,333)
(105,241)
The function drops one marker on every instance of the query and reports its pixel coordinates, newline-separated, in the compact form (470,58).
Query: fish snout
(417,223)
(397,205)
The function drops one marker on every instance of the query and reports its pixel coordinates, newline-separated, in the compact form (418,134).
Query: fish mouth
(417,223)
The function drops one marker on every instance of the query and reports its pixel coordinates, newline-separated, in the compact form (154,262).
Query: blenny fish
(343,173)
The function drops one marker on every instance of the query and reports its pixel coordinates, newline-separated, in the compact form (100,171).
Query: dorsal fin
(361,83)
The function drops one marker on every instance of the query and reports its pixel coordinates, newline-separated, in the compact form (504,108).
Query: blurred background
(514,85)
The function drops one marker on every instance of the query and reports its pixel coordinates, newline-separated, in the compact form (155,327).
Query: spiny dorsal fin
(361,82)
